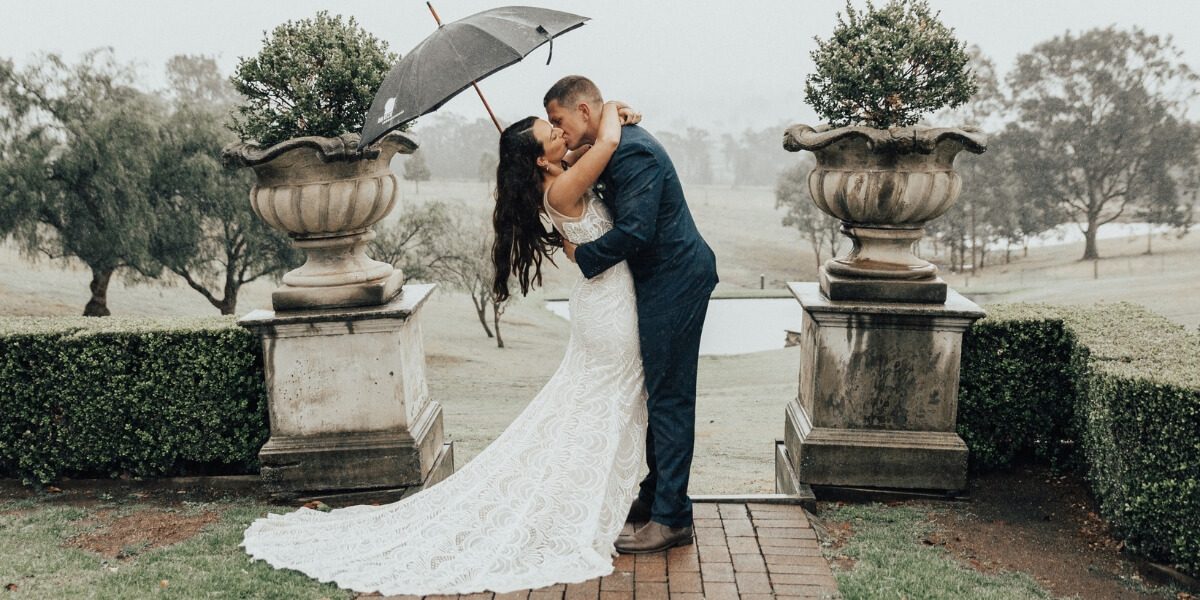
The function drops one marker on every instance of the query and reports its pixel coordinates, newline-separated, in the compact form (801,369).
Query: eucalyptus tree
(415,169)
(208,234)
(76,166)
(1104,114)
(820,230)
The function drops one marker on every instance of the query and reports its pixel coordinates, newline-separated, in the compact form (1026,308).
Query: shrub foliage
(1113,391)
(885,67)
(312,77)
(117,396)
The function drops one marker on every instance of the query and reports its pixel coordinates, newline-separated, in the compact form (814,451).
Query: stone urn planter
(884,185)
(326,196)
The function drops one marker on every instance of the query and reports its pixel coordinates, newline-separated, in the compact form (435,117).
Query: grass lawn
(884,557)
(169,544)
(121,556)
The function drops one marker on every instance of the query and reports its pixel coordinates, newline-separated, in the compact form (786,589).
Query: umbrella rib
(491,51)
(458,55)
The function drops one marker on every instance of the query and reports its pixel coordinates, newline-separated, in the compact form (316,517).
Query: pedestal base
(918,460)
(349,404)
(836,287)
(878,394)
(371,293)
(353,460)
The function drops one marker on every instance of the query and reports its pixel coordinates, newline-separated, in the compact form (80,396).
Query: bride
(544,503)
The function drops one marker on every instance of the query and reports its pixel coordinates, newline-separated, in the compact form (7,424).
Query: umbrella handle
(488,107)
(491,114)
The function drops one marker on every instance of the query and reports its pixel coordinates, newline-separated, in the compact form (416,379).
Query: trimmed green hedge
(1112,390)
(1017,386)
(113,396)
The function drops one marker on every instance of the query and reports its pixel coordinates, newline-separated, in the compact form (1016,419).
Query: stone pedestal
(349,404)
(878,393)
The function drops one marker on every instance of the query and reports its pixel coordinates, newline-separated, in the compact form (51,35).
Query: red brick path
(749,551)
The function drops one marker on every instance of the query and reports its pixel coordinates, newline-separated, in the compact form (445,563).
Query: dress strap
(556,217)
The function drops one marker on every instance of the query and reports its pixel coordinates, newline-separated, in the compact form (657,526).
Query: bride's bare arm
(566,194)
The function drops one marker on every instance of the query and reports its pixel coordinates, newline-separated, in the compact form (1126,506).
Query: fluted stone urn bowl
(884,185)
(326,196)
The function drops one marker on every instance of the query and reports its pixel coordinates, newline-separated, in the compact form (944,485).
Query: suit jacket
(652,228)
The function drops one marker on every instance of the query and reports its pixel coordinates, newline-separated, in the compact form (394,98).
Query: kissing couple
(546,502)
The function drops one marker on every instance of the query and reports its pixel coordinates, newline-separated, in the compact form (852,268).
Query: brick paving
(743,550)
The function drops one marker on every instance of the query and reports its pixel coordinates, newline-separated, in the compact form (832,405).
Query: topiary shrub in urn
(306,94)
(877,171)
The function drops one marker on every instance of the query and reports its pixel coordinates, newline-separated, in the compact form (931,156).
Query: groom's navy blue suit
(674,271)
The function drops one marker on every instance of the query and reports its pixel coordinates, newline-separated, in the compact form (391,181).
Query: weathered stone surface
(926,460)
(326,195)
(878,393)
(370,293)
(884,185)
(349,403)
(443,467)
(928,291)
(353,460)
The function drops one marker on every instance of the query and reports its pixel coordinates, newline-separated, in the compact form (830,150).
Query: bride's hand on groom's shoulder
(626,113)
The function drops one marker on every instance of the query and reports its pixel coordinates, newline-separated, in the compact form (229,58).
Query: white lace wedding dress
(541,505)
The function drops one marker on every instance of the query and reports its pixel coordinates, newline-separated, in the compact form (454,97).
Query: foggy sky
(723,66)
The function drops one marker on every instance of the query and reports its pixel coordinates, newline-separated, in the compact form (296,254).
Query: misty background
(717,66)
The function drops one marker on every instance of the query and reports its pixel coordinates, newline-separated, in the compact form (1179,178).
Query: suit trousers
(670,352)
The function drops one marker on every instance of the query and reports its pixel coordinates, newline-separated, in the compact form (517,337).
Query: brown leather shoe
(654,537)
(638,512)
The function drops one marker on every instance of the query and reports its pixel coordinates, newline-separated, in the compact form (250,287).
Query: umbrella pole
(491,114)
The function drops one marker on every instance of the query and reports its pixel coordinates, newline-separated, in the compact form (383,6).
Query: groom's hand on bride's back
(569,250)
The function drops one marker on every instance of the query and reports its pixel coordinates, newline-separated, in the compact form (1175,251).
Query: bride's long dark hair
(521,240)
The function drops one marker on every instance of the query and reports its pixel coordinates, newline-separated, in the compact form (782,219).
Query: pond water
(736,326)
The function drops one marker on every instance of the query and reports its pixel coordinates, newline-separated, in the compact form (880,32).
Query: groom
(674,271)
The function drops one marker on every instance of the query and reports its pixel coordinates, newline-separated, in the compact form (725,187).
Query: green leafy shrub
(1113,389)
(1017,389)
(312,77)
(106,397)
(886,67)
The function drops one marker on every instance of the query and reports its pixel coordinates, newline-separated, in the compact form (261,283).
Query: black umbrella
(456,56)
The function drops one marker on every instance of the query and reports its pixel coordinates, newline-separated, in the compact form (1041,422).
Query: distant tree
(488,162)
(207,234)
(415,169)
(691,153)
(1176,214)
(454,147)
(699,155)
(76,159)
(1174,204)
(986,107)
(1105,113)
(731,153)
(756,157)
(468,268)
(968,226)
(817,228)
(416,242)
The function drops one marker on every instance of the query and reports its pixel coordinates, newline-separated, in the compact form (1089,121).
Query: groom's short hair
(571,90)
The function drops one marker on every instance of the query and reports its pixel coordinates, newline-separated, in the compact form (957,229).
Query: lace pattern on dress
(541,505)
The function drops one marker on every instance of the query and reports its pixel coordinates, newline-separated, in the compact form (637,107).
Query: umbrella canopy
(457,55)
